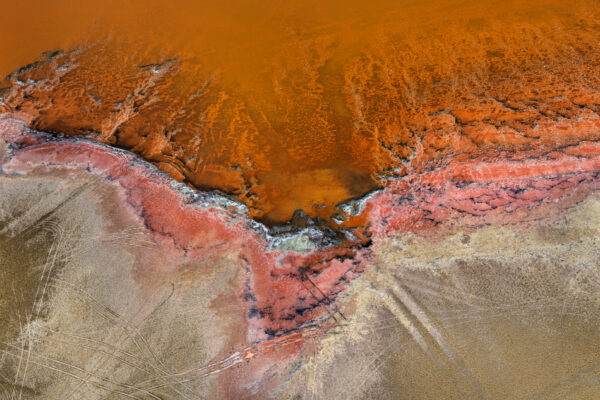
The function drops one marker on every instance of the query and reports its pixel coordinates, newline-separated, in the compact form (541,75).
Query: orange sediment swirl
(305,105)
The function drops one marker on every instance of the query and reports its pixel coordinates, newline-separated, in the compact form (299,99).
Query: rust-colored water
(290,104)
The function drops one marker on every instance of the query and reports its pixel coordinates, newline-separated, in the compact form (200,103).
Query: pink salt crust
(484,191)
(277,282)
(282,294)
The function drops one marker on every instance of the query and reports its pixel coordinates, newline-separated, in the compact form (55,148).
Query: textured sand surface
(118,288)
(497,313)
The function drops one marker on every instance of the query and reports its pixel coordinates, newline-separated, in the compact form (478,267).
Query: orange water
(285,104)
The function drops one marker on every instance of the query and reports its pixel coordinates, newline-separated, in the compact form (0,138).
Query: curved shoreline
(289,297)
(460,194)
